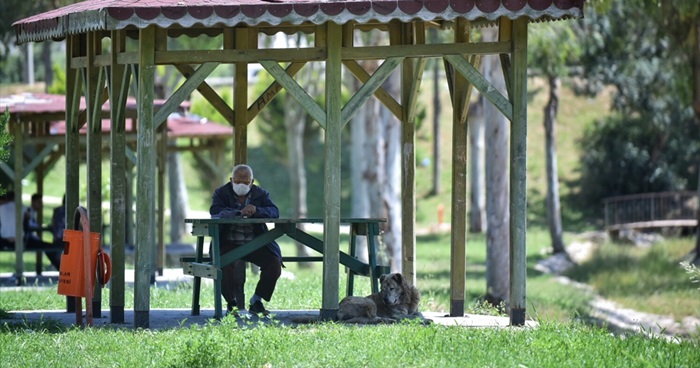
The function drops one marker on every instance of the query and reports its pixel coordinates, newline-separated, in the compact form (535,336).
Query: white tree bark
(497,214)
(295,123)
(178,197)
(392,186)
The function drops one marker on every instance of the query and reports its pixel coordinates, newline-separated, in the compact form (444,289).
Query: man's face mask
(241,189)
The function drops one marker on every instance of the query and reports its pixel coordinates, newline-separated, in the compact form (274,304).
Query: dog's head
(393,286)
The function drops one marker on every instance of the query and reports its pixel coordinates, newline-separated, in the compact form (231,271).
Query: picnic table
(210,266)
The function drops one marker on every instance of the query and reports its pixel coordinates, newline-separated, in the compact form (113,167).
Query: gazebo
(38,127)
(113,43)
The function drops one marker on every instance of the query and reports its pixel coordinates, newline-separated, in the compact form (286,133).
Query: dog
(396,300)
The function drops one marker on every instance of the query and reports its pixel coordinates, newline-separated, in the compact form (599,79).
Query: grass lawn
(562,339)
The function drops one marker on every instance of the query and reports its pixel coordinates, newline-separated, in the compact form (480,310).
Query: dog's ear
(398,277)
(381,278)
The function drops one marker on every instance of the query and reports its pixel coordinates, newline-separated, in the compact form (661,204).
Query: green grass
(651,280)
(334,345)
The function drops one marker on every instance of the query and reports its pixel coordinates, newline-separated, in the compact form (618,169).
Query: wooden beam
(191,83)
(480,83)
(296,91)
(518,175)
(431,50)
(385,98)
(271,92)
(145,181)
(119,88)
(34,163)
(505,31)
(458,239)
(208,93)
(332,184)
(240,100)
(94,98)
(369,87)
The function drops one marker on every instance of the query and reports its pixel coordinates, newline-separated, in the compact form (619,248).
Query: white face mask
(241,189)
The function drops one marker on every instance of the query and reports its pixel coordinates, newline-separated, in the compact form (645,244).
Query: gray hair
(242,167)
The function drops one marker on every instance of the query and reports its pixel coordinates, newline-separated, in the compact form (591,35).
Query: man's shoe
(258,308)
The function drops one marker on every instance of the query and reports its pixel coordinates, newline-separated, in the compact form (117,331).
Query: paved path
(181,317)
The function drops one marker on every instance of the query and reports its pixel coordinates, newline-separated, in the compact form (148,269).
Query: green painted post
(331,220)
(518,175)
(145,181)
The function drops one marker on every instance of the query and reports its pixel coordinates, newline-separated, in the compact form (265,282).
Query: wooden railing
(651,210)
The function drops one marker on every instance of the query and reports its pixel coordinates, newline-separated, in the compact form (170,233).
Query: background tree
(496,128)
(553,48)
(677,28)
(651,142)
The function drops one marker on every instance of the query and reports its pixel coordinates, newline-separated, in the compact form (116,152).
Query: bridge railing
(647,210)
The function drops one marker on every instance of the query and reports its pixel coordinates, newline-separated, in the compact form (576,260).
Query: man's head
(36,201)
(242,179)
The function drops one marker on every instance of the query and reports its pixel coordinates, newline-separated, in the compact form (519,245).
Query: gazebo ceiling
(109,15)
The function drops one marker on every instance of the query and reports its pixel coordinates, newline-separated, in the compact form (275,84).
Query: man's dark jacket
(225,204)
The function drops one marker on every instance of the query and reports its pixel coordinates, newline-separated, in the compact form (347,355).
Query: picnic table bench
(38,250)
(210,266)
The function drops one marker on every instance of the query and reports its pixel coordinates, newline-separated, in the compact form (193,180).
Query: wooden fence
(651,210)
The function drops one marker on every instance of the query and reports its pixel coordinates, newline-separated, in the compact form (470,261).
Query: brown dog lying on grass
(396,300)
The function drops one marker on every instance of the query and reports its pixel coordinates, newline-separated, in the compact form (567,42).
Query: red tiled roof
(120,14)
(30,106)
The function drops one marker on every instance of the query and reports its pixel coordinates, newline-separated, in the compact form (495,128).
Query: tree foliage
(651,143)
(5,139)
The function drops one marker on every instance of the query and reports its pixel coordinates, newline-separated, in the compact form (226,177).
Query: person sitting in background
(58,222)
(30,226)
(33,229)
(240,198)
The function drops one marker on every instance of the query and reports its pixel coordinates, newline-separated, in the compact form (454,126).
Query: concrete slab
(160,319)
(163,319)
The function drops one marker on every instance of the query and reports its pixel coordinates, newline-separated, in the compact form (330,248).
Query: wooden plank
(480,83)
(182,93)
(38,159)
(518,175)
(369,87)
(296,91)
(431,50)
(240,101)
(208,93)
(332,184)
(19,230)
(145,181)
(234,56)
(459,183)
(119,88)
(94,98)
(380,93)
(200,270)
(271,91)
(505,30)
(72,137)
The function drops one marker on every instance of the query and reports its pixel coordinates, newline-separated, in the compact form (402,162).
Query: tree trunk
(477,198)
(553,206)
(359,197)
(436,127)
(392,177)
(178,197)
(295,123)
(497,199)
(695,60)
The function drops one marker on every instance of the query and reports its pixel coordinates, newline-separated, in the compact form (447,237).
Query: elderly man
(241,198)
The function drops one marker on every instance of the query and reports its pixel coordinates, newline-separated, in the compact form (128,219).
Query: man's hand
(249,210)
